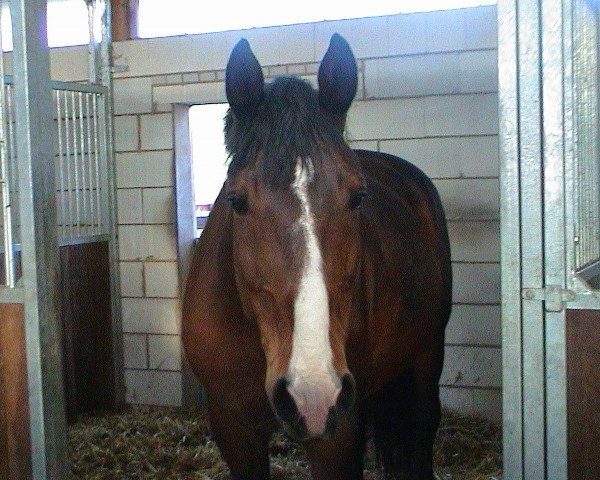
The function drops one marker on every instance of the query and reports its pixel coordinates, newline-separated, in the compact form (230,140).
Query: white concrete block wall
(427,92)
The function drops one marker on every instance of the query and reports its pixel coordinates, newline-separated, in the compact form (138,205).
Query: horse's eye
(239,204)
(356,199)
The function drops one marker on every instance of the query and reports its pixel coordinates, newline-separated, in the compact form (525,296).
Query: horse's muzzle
(310,411)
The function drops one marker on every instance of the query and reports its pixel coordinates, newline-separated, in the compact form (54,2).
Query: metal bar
(93,47)
(532,273)
(9,270)
(33,99)
(115,284)
(97,165)
(68,193)
(77,219)
(554,142)
(84,239)
(68,86)
(12,295)
(90,192)
(83,193)
(61,170)
(512,367)
(77,87)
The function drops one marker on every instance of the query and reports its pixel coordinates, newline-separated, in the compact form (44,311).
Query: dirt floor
(167,443)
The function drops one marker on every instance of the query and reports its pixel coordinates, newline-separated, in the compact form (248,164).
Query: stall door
(549,121)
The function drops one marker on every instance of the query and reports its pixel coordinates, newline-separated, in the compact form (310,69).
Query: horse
(320,288)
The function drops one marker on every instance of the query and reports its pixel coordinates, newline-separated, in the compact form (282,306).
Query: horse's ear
(244,81)
(338,77)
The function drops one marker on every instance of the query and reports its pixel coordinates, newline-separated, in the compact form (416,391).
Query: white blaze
(311,358)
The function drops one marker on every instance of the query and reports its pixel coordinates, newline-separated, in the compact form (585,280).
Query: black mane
(289,125)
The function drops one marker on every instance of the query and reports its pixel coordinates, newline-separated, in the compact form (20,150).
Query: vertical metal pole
(83,219)
(61,167)
(100,71)
(117,326)
(39,238)
(9,271)
(91,224)
(512,361)
(77,218)
(68,193)
(556,138)
(98,212)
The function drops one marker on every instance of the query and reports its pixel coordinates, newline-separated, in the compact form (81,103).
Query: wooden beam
(124,19)
(15,453)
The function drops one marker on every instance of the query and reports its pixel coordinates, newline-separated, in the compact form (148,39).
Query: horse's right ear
(338,77)
(244,81)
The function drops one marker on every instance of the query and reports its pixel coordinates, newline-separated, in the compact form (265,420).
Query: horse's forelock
(288,125)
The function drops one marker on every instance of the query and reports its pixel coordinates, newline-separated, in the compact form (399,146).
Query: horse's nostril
(283,402)
(347,395)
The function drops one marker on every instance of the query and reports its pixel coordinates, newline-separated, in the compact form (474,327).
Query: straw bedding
(166,443)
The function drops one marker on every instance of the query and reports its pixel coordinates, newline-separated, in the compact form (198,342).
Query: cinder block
(470,199)
(157,131)
(480,27)
(449,157)
(415,75)
(145,169)
(135,351)
(129,206)
(475,241)
(207,77)
(297,69)
(281,45)
(277,70)
(408,33)
(213,92)
(472,367)
(445,30)
(381,119)
(475,325)
(368,37)
(132,95)
(475,114)
(174,79)
(132,279)
(151,315)
(476,283)
(159,205)
(126,133)
(151,387)
(69,64)
(478,71)
(486,403)
(162,279)
(164,352)
(190,77)
(147,242)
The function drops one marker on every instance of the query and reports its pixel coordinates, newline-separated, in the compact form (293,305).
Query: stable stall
(59,303)
(549,118)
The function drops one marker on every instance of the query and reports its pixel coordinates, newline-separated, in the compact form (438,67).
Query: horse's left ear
(338,77)
(244,81)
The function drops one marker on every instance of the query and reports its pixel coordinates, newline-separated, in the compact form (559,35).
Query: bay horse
(320,289)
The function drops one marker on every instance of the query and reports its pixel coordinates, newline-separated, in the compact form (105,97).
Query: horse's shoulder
(383,167)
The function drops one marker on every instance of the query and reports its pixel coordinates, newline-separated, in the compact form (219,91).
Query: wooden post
(124,19)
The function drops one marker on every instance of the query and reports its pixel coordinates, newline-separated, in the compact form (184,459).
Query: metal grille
(79,162)
(586,149)
(80,155)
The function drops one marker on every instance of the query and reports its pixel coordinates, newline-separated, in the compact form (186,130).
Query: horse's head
(295,188)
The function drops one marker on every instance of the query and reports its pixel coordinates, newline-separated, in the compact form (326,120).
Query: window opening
(209,157)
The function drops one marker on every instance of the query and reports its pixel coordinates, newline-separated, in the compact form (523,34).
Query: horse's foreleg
(426,413)
(341,457)
(243,446)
